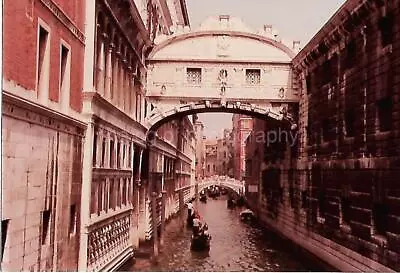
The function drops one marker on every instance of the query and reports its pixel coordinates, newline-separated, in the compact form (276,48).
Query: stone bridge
(221,68)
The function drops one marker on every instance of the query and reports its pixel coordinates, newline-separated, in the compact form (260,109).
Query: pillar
(154,220)
(181,209)
(100,66)
(115,86)
(109,70)
(86,195)
(163,205)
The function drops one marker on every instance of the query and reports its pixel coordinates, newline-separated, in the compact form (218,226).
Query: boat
(231,203)
(200,242)
(247,215)
(203,198)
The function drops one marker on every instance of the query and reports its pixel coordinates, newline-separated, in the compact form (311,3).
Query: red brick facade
(21,38)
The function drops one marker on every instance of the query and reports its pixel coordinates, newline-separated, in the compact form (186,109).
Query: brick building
(200,150)
(73,111)
(42,134)
(241,129)
(336,187)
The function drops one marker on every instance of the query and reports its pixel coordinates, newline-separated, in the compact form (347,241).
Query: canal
(235,246)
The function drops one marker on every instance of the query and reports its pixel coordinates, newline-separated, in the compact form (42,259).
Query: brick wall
(20,46)
(339,184)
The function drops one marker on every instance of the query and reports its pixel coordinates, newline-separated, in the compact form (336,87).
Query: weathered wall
(42,172)
(336,193)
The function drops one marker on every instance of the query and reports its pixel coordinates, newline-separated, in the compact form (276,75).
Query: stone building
(200,150)
(73,129)
(241,128)
(334,191)
(42,133)
(224,153)
(211,157)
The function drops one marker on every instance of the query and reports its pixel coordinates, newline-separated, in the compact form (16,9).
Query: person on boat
(190,208)
(205,231)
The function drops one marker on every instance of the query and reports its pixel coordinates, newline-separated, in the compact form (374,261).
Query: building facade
(200,150)
(74,106)
(43,133)
(336,187)
(211,157)
(241,128)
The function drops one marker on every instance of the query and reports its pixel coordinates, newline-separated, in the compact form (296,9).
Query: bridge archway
(223,66)
(276,112)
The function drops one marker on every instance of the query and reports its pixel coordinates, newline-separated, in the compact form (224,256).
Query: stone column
(141,201)
(164,193)
(154,219)
(109,70)
(121,84)
(107,151)
(100,66)
(115,84)
(86,195)
(99,146)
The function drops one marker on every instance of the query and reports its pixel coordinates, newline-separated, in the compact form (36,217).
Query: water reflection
(235,246)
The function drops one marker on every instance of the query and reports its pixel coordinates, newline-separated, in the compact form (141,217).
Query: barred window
(193,75)
(253,76)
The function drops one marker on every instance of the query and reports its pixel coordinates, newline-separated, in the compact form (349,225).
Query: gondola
(200,242)
(203,198)
(247,216)
(231,203)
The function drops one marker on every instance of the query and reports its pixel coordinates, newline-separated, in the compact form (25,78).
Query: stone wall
(42,177)
(336,192)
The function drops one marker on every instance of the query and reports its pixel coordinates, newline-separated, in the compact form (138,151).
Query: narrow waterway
(235,246)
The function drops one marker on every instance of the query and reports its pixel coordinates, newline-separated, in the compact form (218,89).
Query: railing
(107,239)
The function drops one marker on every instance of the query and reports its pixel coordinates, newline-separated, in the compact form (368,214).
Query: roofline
(196,34)
(334,22)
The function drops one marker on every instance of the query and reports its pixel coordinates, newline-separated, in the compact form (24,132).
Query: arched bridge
(220,68)
(233,184)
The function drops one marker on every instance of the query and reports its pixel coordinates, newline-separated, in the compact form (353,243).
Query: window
(308,83)
(103,152)
(72,219)
(304,199)
(321,202)
(112,153)
(64,76)
(118,155)
(380,213)
(45,225)
(193,75)
(4,228)
(350,55)
(326,130)
(345,206)
(385,25)
(253,76)
(384,112)
(326,72)
(95,149)
(43,64)
(349,120)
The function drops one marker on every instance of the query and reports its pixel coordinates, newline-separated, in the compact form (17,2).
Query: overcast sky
(294,20)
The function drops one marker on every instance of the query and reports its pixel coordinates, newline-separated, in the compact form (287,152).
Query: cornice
(242,34)
(338,28)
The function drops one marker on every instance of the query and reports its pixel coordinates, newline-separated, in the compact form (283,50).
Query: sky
(293,19)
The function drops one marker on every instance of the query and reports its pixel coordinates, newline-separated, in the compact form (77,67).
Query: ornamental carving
(223,44)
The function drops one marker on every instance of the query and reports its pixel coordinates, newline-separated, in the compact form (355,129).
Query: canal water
(235,246)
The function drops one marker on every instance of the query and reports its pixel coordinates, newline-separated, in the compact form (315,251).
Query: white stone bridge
(221,67)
